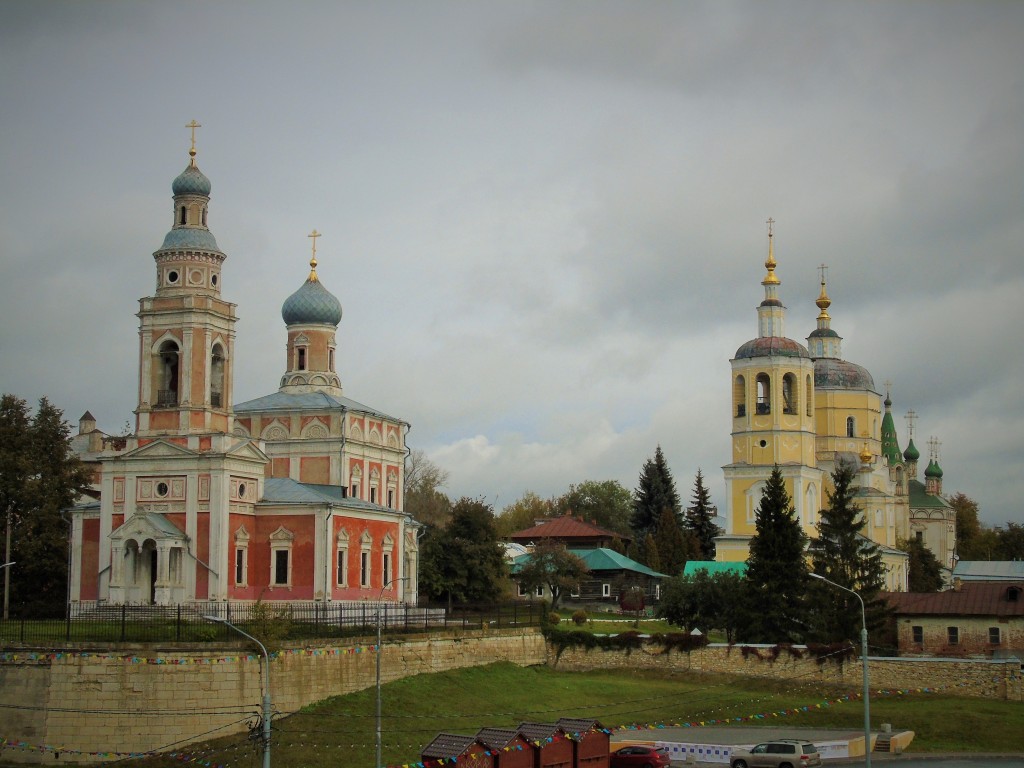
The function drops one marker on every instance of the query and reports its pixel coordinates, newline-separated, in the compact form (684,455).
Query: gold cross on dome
(911,417)
(822,269)
(193,125)
(314,234)
(771,224)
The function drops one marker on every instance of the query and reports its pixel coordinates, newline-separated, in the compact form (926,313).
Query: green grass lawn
(341,731)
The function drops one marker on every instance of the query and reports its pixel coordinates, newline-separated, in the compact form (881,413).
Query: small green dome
(911,454)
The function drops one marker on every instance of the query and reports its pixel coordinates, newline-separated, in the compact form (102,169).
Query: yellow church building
(804,409)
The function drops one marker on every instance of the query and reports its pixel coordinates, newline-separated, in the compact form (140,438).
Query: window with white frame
(523,591)
(385,571)
(281,542)
(574,590)
(341,544)
(364,568)
(241,557)
(606,590)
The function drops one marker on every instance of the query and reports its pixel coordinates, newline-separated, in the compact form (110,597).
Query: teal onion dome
(911,454)
(191,181)
(312,304)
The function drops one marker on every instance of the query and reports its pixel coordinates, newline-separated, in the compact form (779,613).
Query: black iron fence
(205,622)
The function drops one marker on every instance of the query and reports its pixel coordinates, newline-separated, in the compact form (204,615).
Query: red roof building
(575,534)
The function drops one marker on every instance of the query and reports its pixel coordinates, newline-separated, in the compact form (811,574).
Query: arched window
(789,394)
(167,383)
(739,396)
(764,393)
(300,355)
(183,214)
(851,427)
(217,376)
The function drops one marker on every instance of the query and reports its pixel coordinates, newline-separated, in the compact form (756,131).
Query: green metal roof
(599,560)
(713,567)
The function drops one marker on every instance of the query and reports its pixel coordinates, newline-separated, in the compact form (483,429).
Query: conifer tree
(844,556)
(924,573)
(652,558)
(40,477)
(775,608)
(700,519)
(655,492)
(671,544)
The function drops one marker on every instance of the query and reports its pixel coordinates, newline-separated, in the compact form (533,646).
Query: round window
(213,279)
(172,276)
(161,489)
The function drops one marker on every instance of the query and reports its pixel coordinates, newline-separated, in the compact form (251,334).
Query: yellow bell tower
(772,422)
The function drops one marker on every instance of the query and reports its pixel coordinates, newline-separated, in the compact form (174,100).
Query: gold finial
(192,152)
(769,264)
(823,302)
(312,262)
(866,455)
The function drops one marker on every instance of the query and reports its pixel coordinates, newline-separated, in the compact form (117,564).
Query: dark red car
(639,756)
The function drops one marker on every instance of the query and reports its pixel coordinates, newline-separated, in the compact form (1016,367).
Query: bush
(580,617)
(554,618)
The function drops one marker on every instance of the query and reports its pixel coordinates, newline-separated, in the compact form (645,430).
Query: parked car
(640,756)
(781,753)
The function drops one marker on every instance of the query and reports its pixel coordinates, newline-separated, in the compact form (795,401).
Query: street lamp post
(864,664)
(7,576)
(266,692)
(380,597)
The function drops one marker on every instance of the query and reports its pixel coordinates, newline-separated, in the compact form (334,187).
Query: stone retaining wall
(141,698)
(960,677)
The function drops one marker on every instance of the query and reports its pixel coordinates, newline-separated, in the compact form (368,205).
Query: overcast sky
(545,221)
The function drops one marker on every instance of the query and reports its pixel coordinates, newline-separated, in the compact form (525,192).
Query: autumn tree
(968,526)
(603,502)
(553,566)
(523,513)
(700,519)
(423,497)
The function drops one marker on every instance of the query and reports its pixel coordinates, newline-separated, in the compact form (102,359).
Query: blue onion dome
(832,373)
(769,346)
(312,304)
(911,454)
(191,181)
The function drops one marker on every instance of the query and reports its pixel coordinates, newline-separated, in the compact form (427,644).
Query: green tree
(924,573)
(652,558)
(1011,541)
(844,556)
(423,497)
(674,547)
(464,562)
(551,565)
(40,478)
(703,601)
(700,519)
(968,526)
(604,502)
(774,608)
(655,492)
(523,513)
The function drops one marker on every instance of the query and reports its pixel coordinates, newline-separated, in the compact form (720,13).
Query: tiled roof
(497,738)
(565,527)
(974,598)
(538,731)
(447,745)
(577,725)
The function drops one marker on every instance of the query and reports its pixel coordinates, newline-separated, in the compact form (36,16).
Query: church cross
(822,269)
(770,223)
(888,386)
(911,417)
(933,447)
(193,125)
(314,234)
